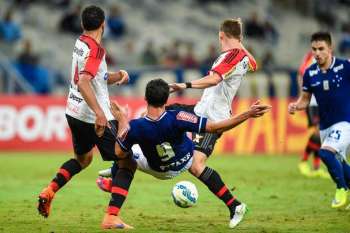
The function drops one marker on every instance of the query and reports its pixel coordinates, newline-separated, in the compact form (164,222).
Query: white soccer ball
(184,194)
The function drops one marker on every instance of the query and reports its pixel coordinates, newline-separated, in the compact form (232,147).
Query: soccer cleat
(105,173)
(238,214)
(105,184)
(44,202)
(304,169)
(321,173)
(340,199)
(114,222)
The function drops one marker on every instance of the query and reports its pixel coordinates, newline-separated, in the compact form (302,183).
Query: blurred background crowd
(175,40)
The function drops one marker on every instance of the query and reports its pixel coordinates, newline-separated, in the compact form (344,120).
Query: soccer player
(165,150)
(329,80)
(88,109)
(220,87)
(314,143)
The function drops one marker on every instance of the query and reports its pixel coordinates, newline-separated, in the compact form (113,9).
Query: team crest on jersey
(106,76)
(185,116)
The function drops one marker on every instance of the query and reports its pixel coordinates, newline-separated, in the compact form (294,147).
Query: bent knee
(84,160)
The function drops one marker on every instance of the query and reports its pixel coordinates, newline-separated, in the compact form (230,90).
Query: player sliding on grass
(164,149)
(329,80)
(88,108)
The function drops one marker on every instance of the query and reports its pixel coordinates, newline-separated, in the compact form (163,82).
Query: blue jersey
(164,141)
(332,91)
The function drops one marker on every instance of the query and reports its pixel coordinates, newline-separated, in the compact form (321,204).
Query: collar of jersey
(228,50)
(333,62)
(159,118)
(92,39)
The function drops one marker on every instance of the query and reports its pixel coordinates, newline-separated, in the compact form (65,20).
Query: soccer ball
(184,194)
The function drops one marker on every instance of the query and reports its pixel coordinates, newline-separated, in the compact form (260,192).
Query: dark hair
(232,28)
(92,18)
(322,36)
(157,92)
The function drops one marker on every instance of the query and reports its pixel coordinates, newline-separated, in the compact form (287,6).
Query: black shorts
(203,142)
(313,118)
(85,138)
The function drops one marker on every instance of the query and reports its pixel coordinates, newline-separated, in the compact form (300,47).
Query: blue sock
(334,166)
(346,169)
(114,169)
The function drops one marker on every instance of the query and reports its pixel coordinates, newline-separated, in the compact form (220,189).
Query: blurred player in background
(314,143)
(329,80)
(88,112)
(164,149)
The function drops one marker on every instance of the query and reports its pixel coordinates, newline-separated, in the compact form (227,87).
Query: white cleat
(105,173)
(238,216)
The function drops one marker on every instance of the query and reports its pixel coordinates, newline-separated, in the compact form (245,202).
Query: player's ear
(221,35)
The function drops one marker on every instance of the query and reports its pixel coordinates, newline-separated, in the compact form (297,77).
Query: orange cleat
(105,184)
(44,202)
(114,222)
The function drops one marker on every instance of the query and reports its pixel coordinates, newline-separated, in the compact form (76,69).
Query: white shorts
(337,137)
(142,165)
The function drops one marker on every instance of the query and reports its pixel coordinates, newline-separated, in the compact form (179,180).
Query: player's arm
(305,95)
(301,104)
(120,77)
(256,110)
(84,85)
(208,81)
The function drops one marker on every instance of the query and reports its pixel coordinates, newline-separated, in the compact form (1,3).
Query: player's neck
(325,66)
(230,44)
(154,113)
(96,35)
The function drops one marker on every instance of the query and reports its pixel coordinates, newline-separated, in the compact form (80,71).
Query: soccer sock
(335,167)
(313,145)
(317,161)
(215,184)
(120,188)
(114,169)
(346,169)
(65,173)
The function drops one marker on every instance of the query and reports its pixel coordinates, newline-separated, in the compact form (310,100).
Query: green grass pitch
(279,199)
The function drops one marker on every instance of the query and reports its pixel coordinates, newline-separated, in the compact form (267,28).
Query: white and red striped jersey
(216,101)
(88,57)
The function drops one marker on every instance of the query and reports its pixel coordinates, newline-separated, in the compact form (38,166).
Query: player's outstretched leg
(119,190)
(64,174)
(335,169)
(215,184)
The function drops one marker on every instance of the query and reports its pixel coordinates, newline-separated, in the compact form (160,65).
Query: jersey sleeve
(227,65)
(189,122)
(306,81)
(93,61)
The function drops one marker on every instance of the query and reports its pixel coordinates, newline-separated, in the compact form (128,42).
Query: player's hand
(121,115)
(124,77)
(258,110)
(177,87)
(292,108)
(100,124)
